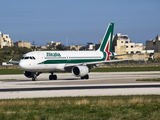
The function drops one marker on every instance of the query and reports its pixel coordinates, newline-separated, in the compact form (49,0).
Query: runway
(99,84)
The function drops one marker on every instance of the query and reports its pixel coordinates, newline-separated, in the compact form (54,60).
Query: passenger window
(27,57)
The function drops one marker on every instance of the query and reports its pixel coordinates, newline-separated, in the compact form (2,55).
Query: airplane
(78,62)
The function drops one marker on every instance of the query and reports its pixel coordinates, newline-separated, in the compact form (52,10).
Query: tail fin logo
(106,44)
(107,48)
(107,39)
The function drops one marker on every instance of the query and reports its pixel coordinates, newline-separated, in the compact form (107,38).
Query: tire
(50,77)
(82,77)
(86,77)
(54,77)
(33,79)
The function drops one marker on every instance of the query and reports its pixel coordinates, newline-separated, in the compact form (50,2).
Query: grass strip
(157,79)
(10,71)
(132,107)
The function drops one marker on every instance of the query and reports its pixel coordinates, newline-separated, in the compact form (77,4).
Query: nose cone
(22,65)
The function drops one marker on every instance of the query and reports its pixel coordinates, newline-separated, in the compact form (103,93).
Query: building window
(126,46)
(138,52)
(126,41)
(131,46)
(121,41)
(6,36)
(132,52)
(154,43)
(126,52)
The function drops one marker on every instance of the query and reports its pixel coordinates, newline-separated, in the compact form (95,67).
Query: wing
(96,64)
(15,62)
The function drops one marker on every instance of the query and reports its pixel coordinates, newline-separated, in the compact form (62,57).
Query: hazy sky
(79,21)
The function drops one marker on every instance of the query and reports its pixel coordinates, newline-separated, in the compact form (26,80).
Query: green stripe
(73,61)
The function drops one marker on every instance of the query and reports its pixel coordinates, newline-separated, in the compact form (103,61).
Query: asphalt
(113,83)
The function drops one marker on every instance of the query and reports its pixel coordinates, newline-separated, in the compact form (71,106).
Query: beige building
(122,45)
(22,44)
(53,45)
(75,47)
(153,44)
(5,40)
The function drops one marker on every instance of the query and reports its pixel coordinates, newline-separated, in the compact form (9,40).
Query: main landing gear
(52,77)
(85,77)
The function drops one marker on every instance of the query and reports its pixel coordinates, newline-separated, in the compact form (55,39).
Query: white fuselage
(40,61)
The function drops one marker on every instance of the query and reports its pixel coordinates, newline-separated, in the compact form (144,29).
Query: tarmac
(99,84)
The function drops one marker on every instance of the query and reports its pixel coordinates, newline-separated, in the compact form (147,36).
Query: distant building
(5,40)
(22,44)
(52,45)
(39,47)
(91,46)
(75,47)
(122,45)
(153,44)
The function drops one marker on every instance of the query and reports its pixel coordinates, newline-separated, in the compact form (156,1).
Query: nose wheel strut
(34,78)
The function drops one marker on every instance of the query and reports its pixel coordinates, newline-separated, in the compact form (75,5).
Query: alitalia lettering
(53,55)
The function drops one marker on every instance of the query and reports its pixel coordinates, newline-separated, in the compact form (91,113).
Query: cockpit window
(28,57)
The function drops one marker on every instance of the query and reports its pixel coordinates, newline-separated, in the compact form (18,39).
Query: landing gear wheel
(50,77)
(82,77)
(85,77)
(33,79)
(53,77)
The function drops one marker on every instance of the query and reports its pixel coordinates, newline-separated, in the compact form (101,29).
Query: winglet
(10,61)
(151,56)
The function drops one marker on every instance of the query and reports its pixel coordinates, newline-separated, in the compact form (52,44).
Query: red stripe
(107,50)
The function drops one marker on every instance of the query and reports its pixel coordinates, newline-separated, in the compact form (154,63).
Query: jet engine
(29,74)
(80,71)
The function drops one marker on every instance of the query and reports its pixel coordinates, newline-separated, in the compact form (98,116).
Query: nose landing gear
(34,78)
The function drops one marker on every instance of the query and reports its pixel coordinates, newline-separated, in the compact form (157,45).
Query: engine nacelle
(29,74)
(80,71)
